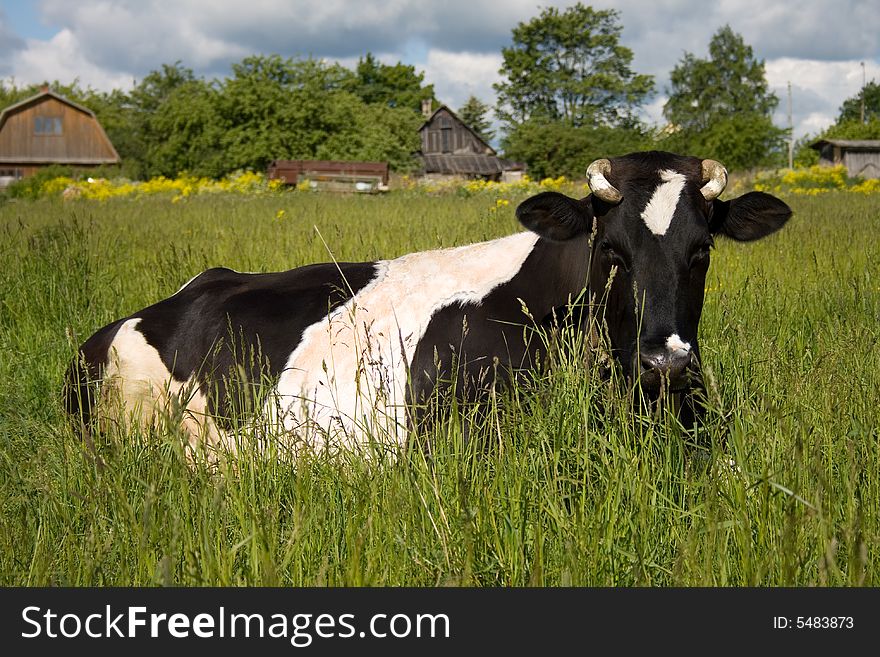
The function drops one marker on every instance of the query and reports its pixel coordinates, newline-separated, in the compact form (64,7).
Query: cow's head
(655,216)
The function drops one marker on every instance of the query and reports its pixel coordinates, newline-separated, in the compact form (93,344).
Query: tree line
(568,94)
(268,108)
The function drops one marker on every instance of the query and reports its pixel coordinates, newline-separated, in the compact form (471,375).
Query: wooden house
(860,157)
(451,149)
(50,129)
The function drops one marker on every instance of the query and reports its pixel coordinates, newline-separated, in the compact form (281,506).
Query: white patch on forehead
(657,215)
(346,380)
(675,343)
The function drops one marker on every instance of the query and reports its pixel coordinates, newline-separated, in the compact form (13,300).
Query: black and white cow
(345,349)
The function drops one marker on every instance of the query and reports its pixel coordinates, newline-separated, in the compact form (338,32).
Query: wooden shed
(451,149)
(50,129)
(860,157)
(332,175)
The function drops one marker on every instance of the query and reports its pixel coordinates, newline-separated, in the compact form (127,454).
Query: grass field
(570,491)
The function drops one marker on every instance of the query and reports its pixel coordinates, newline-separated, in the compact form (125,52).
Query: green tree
(851,110)
(274,108)
(854,129)
(372,132)
(721,107)
(570,66)
(730,82)
(552,148)
(269,108)
(277,108)
(187,132)
(158,85)
(397,85)
(9,94)
(804,154)
(118,117)
(147,133)
(474,114)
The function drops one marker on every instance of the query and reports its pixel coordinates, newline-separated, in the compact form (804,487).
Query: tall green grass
(563,487)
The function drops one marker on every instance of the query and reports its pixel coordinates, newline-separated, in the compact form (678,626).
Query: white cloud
(61,58)
(818,89)
(207,33)
(811,124)
(816,44)
(137,37)
(457,75)
(653,111)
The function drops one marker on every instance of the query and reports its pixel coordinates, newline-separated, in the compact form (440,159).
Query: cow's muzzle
(664,368)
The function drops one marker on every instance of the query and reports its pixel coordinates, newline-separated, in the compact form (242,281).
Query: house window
(47,125)
(8,176)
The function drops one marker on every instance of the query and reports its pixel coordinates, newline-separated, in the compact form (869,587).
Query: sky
(816,45)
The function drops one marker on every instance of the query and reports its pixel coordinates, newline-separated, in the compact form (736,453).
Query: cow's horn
(599,184)
(715,179)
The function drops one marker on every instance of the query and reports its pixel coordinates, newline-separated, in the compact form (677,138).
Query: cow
(340,354)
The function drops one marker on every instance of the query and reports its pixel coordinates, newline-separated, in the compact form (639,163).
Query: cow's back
(213,344)
(323,352)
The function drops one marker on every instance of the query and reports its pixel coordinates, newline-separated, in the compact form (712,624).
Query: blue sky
(816,44)
(24,18)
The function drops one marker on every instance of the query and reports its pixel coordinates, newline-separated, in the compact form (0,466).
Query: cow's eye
(613,256)
(701,256)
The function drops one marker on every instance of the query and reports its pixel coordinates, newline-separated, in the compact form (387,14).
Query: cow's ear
(555,216)
(749,217)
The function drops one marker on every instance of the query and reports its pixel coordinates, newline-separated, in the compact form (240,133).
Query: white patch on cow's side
(657,215)
(138,384)
(346,380)
(675,343)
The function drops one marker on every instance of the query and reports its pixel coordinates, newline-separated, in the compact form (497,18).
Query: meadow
(565,489)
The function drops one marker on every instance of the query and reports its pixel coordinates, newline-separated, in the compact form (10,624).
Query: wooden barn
(451,149)
(860,157)
(50,129)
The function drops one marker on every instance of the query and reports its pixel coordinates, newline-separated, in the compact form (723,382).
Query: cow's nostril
(664,364)
(655,361)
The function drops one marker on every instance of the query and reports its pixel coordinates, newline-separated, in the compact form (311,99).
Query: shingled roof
(850,144)
(467,164)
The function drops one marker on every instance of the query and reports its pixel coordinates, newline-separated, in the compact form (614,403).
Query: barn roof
(849,144)
(40,97)
(456,117)
(467,164)
(33,100)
